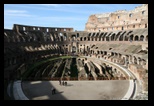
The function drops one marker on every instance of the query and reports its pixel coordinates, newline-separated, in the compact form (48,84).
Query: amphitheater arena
(109,60)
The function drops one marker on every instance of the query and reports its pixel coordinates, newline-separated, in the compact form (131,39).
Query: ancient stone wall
(119,20)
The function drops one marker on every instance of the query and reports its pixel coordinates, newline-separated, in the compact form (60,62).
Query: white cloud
(65,18)
(17,13)
(49,5)
(54,5)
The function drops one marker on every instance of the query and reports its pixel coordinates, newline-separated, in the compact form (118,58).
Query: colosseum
(108,60)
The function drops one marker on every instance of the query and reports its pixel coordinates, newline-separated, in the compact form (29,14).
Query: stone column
(133,59)
(130,60)
(76,47)
(138,61)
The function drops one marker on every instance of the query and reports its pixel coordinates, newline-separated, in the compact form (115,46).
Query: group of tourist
(62,83)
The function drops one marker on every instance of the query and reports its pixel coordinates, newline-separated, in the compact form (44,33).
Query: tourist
(52,89)
(65,83)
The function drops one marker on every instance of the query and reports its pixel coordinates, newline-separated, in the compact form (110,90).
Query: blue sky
(57,15)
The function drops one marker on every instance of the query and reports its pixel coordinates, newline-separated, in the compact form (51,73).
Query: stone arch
(73,37)
(136,38)
(105,52)
(92,38)
(131,37)
(65,37)
(117,36)
(130,15)
(141,38)
(121,38)
(126,38)
(62,38)
(122,28)
(98,52)
(104,36)
(133,26)
(89,34)
(112,37)
(80,38)
(100,36)
(84,38)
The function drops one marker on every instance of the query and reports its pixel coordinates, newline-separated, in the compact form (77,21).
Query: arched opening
(112,37)
(89,34)
(118,17)
(126,38)
(73,49)
(97,52)
(65,37)
(117,36)
(146,26)
(141,38)
(130,15)
(131,37)
(81,39)
(84,38)
(121,38)
(136,38)
(105,53)
(122,28)
(107,38)
(147,38)
(73,37)
(88,38)
(77,34)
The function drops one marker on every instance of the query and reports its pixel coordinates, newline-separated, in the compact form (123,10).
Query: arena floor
(76,90)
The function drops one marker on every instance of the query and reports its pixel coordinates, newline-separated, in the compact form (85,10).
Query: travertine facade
(119,20)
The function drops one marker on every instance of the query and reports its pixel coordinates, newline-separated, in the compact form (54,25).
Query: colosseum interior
(113,47)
